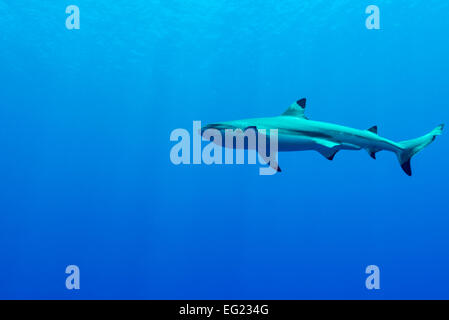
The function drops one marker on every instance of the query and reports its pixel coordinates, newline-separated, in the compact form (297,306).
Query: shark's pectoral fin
(276,167)
(271,162)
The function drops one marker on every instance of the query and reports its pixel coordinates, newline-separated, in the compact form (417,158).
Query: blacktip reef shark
(297,133)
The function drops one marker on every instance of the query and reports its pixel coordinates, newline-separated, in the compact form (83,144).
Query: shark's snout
(207,127)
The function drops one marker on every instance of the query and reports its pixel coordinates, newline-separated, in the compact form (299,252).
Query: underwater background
(85,171)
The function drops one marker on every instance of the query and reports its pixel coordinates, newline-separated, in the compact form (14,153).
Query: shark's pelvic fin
(329,154)
(327,148)
(297,109)
(373,129)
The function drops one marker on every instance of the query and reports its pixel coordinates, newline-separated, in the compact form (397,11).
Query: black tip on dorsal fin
(302,103)
(373,129)
(373,155)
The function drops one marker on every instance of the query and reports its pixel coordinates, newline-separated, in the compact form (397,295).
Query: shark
(298,133)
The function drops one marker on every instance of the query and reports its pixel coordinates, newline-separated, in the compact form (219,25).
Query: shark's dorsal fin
(296,109)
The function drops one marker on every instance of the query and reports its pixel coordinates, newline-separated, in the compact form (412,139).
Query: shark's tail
(411,147)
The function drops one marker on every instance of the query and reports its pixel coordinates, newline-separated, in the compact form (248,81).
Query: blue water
(85,170)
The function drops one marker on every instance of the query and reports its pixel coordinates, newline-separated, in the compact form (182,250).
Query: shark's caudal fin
(412,147)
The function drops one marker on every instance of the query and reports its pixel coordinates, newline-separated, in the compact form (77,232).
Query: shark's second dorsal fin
(373,129)
(296,109)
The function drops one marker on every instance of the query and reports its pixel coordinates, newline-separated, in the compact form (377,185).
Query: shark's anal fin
(297,109)
(407,167)
(372,152)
